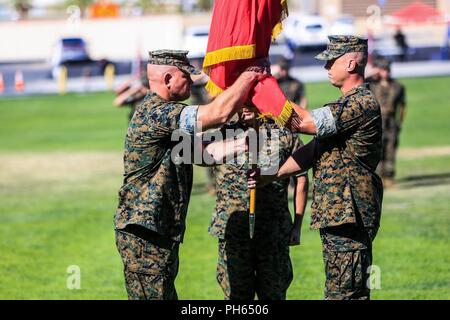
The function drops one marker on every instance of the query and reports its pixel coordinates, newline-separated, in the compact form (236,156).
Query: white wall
(114,39)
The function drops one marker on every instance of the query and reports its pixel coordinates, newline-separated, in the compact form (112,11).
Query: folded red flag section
(240,36)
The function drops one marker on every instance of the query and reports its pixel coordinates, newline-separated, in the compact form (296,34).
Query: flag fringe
(283,117)
(247,52)
(229,54)
(279,26)
(281,120)
(213,89)
(277,30)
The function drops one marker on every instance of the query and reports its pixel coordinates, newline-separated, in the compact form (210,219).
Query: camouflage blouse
(293,89)
(390,97)
(346,187)
(233,194)
(155,193)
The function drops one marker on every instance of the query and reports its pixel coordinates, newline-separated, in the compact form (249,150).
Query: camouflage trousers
(150,268)
(260,266)
(347,255)
(386,167)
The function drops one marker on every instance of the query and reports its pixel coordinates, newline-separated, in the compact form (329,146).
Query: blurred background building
(123,31)
(154,23)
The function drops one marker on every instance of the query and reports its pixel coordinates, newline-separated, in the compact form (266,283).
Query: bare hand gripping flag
(240,36)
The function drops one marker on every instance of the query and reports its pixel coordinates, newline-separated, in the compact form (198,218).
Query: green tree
(82,4)
(22,7)
(205,4)
(152,5)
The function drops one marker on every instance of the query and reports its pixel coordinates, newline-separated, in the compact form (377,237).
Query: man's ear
(167,78)
(351,65)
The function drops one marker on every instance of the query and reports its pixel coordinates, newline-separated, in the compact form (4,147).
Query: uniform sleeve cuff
(188,119)
(324,121)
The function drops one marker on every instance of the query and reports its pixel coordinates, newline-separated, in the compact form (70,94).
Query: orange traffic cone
(19,83)
(2,84)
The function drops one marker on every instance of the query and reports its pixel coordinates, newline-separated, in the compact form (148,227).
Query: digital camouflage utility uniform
(347,192)
(153,201)
(261,265)
(136,99)
(293,89)
(391,97)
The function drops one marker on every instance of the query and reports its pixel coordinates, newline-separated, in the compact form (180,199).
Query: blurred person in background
(400,40)
(391,96)
(293,89)
(132,93)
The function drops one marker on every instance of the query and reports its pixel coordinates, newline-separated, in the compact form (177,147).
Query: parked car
(305,31)
(196,41)
(68,51)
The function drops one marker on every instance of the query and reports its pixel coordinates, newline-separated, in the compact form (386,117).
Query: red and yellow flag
(240,35)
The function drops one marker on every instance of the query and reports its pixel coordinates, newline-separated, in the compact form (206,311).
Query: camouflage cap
(382,63)
(176,58)
(340,45)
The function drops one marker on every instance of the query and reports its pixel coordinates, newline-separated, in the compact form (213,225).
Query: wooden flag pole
(253,190)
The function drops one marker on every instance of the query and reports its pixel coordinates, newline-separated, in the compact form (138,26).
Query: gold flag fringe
(242,53)
(213,89)
(229,54)
(279,26)
(282,118)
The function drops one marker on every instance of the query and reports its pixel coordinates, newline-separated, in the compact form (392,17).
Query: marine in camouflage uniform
(153,201)
(261,265)
(347,193)
(293,89)
(132,94)
(391,96)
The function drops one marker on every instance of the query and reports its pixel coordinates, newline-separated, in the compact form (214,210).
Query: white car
(196,41)
(302,31)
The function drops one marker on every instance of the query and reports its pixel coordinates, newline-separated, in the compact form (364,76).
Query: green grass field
(61,167)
